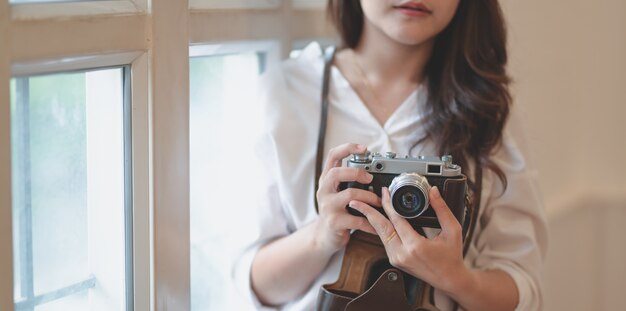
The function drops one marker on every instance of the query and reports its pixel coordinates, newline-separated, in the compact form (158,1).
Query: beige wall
(568,59)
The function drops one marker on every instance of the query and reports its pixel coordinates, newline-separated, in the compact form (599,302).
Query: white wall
(568,60)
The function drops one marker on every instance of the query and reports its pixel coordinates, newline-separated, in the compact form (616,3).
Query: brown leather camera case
(368,282)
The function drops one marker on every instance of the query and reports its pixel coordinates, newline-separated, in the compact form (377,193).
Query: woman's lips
(413,9)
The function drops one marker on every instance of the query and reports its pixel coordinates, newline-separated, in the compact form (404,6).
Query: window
(223,71)
(233,4)
(222,88)
(71,201)
(56,51)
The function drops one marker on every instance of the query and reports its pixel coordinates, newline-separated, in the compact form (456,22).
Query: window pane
(68,190)
(17,266)
(221,111)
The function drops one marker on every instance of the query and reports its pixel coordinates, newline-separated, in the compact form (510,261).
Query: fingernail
(436,192)
(361,147)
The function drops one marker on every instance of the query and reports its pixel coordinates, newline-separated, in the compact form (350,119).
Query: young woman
(418,78)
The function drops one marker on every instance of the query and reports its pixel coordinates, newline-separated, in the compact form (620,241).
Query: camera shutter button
(362,157)
(390,155)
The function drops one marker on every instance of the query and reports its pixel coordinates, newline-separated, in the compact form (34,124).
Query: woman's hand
(438,261)
(332,230)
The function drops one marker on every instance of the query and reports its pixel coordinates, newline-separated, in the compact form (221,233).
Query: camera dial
(365,157)
(409,194)
(390,155)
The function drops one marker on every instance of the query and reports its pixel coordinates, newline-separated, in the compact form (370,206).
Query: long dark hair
(468,95)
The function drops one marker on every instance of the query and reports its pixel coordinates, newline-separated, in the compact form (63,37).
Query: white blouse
(511,231)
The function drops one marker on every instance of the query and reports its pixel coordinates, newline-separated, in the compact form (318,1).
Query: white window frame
(233,4)
(140,194)
(98,199)
(25,26)
(154,37)
(271,48)
(28,11)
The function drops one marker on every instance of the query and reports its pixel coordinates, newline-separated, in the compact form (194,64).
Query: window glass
(221,118)
(68,190)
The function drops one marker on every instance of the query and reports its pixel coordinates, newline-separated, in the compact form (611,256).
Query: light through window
(222,95)
(71,220)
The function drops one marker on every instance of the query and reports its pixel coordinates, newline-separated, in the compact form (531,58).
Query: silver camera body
(409,180)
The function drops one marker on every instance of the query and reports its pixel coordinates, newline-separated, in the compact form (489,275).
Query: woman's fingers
(336,175)
(349,222)
(402,225)
(361,223)
(353,194)
(338,153)
(448,222)
(384,228)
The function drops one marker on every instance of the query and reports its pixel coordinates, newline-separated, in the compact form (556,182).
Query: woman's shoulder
(302,69)
(289,103)
(290,90)
(515,157)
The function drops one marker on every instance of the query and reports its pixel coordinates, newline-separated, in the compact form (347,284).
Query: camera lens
(409,194)
(410,200)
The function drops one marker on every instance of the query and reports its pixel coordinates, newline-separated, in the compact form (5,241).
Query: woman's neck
(383,72)
(384,59)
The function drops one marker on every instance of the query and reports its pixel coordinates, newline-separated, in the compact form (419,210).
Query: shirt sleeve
(264,219)
(513,237)
(264,222)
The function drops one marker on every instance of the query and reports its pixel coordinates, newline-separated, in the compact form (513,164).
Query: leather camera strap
(473,210)
(329,55)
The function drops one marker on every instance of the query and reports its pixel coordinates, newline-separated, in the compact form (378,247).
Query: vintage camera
(409,180)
